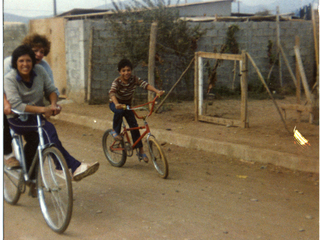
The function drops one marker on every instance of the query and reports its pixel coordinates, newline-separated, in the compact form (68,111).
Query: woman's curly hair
(37,40)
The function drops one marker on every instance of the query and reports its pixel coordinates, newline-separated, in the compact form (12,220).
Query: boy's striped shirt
(124,92)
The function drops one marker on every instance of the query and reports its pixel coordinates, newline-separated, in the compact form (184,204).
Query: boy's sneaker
(85,170)
(12,163)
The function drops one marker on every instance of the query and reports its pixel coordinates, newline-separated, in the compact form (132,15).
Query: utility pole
(54,8)
(238,6)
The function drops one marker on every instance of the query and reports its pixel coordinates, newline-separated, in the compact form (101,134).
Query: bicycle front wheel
(158,158)
(113,150)
(55,190)
(12,180)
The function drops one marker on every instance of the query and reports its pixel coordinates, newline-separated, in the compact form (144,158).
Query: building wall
(252,37)
(206,9)
(13,34)
(77,39)
(53,29)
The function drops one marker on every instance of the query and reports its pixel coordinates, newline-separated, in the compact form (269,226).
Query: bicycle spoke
(55,191)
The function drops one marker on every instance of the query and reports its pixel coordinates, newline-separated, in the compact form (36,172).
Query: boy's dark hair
(20,51)
(124,63)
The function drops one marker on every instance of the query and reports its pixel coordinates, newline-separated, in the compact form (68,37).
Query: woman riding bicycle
(25,85)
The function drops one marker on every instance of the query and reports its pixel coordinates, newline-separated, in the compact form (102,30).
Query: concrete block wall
(252,37)
(76,40)
(13,34)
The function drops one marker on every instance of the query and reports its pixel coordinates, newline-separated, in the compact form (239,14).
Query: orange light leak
(299,138)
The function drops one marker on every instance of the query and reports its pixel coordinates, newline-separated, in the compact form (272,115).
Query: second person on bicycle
(121,94)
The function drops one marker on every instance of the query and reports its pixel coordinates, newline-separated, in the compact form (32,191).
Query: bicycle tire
(158,158)
(11,185)
(55,190)
(116,158)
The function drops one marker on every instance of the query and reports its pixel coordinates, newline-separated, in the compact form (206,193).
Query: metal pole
(54,8)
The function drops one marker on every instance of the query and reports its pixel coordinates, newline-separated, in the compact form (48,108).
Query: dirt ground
(266,129)
(206,196)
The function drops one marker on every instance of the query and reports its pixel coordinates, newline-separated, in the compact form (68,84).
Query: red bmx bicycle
(116,151)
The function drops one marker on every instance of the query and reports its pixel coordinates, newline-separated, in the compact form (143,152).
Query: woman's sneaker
(85,170)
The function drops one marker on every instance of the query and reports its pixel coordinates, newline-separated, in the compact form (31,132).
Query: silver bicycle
(54,187)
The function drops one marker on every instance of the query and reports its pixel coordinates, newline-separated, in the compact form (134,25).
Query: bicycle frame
(146,126)
(18,147)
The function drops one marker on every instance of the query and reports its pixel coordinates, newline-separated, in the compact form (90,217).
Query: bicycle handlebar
(23,113)
(142,106)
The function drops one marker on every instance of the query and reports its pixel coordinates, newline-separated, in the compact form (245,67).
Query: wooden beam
(222,121)
(303,76)
(268,90)
(288,65)
(223,56)
(298,91)
(196,86)
(297,107)
(200,85)
(244,90)
(152,54)
(278,45)
(174,86)
(315,36)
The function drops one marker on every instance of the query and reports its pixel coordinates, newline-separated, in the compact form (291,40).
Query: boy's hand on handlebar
(121,106)
(160,93)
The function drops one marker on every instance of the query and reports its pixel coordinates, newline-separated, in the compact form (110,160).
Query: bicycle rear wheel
(55,190)
(12,180)
(113,150)
(158,158)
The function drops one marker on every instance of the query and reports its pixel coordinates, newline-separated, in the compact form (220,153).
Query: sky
(30,8)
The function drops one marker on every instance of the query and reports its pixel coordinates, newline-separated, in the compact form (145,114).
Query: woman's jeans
(29,129)
(131,120)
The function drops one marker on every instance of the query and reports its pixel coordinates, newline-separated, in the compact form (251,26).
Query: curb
(232,150)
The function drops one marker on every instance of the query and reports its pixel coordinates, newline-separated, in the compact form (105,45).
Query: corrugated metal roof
(82,11)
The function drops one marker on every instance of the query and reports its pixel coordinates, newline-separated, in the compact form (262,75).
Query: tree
(176,40)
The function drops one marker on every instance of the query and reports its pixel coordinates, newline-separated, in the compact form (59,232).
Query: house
(209,8)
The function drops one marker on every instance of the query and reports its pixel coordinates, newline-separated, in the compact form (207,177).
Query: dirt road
(206,196)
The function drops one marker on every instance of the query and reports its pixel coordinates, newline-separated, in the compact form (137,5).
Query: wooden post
(315,35)
(303,76)
(244,90)
(278,45)
(90,65)
(298,89)
(200,85)
(298,92)
(196,86)
(152,54)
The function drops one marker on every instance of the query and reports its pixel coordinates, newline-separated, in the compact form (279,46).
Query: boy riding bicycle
(120,94)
